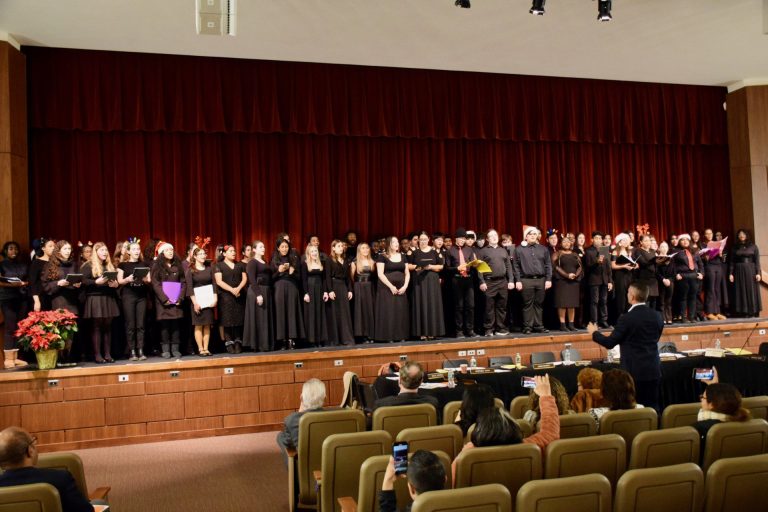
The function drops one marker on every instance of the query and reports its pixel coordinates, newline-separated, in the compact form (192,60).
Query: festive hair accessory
(161,247)
(551,231)
(528,229)
(643,229)
(621,237)
(81,244)
(201,242)
(228,247)
(133,240)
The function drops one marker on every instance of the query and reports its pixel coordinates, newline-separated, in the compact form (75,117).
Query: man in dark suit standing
(637,332)
(597,268)
(411,377)
(18,457)
(312,399)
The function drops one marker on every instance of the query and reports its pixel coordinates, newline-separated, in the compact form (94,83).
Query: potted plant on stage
(45,333)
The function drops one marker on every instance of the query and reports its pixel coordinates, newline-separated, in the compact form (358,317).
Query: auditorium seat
(395,418)
(737,484)
(757,405)
(509,465)
(496,362)
(483,498)
(454,363)
(518,406)
(450,410)
(666,447)
(343,454)
(445,438)
(577,425)
(575,355)
(584,493)
(667,347)
(526,429)
(628,423)
(542,357)
(603,454)
(678,488)
(314,428)
(72,463)
(371,477)
(735,439)
(680,415)
(30,498)
(763,350)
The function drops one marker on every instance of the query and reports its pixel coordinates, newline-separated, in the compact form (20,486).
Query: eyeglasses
(32,442)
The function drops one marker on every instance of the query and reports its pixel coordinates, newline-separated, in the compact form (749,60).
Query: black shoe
(502,332)
(471,334)
(230,346)
(527,330)
(165,355)
(686,320)
(540,329)
(604,325)
(459,335)
(564,327)
(571,327)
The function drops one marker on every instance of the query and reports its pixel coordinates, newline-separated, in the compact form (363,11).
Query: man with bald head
(18,456)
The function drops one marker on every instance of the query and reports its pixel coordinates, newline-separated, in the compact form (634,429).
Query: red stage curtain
(172,146)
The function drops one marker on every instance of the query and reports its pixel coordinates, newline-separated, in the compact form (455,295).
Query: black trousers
(666,293)
(713,286)
(647,393)
(598,303)
(533,301)
(134,313)
(13,311)
(169,334)
(464,303)
(495,304)
(686,290)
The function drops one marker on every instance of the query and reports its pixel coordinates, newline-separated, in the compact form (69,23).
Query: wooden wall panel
(136,409)
(182,385)
(62,415)
(279,398)
(32,396)
(257,418)
(257,379)
(10,416)
(164,427)
(220,402)
(108,391)
(106,432)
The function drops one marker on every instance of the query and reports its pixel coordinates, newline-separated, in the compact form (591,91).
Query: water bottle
(567,354)
(451,379)
(717,343)
(473,362)
(610,356)
(518,360)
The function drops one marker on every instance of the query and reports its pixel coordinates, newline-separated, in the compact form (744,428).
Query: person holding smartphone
(424,471)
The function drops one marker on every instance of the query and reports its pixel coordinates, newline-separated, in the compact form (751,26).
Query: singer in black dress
(745,274)
(259,329)
(40,300)
(289,321)
(427,320)
(363,272)
(392,316)
(13,299)
(646,271)
(568,272)
(231,279)
(199,275)
(100,301)
(315,296)
(622,274)
(665,276)
(62,294)
(339,295)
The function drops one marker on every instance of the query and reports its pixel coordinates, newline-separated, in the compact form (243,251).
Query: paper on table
(172,290)
(204,296)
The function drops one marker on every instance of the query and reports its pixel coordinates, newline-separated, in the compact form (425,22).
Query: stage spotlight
(537,7)
(604,10)
(463,3)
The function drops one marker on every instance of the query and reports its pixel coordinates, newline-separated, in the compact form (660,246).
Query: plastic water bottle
(717,343)
(451,379)
(518,360)
(567,354)
(473,362)
(610,356)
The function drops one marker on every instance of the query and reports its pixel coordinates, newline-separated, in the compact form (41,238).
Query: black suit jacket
(72,500)
(596,273)
(409,399)
(637,332)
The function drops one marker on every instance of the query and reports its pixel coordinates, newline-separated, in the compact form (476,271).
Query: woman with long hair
(134,298)
(745,274)
(568,271)
(339,295)
(622,272)
(121,250)
(169,286)
(392,317)
(43,248)
(13,300)
(198,276)
(62,293)
(665,273)
(231,279)
(246,253)
(100,301)
(362,270)
(315,296)
(715,290)
(425,264)
(259,328)
(618,391)
(289,322)
(646,270)
(720,403)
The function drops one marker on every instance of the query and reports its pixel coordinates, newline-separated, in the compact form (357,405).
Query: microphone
(748,337)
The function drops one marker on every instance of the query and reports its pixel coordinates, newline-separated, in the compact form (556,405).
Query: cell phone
(703,373)
(400,454)
(528,382)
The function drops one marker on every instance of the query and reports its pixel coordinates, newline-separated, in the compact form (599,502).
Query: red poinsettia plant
(46,330)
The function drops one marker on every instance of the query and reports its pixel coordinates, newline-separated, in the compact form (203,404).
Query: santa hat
(161,247)
(684,235)
(620,237)
(529,229)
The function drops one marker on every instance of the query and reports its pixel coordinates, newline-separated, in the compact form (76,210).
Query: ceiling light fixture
(537,7)
(604,10)
(463,3)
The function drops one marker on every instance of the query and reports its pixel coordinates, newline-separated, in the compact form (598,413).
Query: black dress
(338,311)
(646,270)
(567,291)
(289,321)
(363,301)
(259,328)
(744,265)
(426,297)
(315,317)
(100,299)
(36,283)
(231,308)
(622,278)
(62,297)
(195,280)
(392,318)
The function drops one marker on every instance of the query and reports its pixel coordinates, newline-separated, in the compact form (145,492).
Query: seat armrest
(291,452)
(99,493)
(348,504)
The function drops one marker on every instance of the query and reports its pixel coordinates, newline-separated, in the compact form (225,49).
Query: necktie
(690,259)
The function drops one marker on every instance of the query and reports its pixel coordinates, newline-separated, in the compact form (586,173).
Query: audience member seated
(411,377)
(533,414)
(18,457)
(618,390)
(588,395)
(476,401)
(425,473)
(312,399)
(719,403)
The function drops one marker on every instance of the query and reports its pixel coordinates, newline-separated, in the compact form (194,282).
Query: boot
(166,347)
(570,326)
(175,350)
(564,327)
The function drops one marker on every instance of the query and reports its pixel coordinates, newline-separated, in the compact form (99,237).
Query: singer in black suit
(637,332)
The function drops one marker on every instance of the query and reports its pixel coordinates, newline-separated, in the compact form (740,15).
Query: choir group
(418,287)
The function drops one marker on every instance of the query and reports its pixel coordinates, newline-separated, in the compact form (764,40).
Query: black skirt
(205,317)
(427,305)
(231,309)
(339,316)
(100,306)
(392,322)
(289,321)
(259,327)
(746,291)
(364,308)
(567,293)
(315,316)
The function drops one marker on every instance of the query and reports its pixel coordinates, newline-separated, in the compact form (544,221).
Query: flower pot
(46,359)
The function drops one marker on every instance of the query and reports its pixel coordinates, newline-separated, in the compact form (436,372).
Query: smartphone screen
(400,454)
(703,373)
(528,382)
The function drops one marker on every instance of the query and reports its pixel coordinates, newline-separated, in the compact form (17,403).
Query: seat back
(737,484)
(629,423)
(372,475)
(30,498)
(518,406)
(678,488)
(542,357)
(395,418)
(510,465)
(575,355)
(343,455)
(70,462)
(763,350)
(495,362)
(585,493)
(735,439)
(445,438)
(757,405)
(577,425)
(603,454)
(314,428)
(667,347)
(666,447)
(350,396)
(680,415)
(483,498)
(454,363)
(450,410)
(526,429)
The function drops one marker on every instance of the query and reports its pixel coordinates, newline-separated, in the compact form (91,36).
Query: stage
(160,399)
